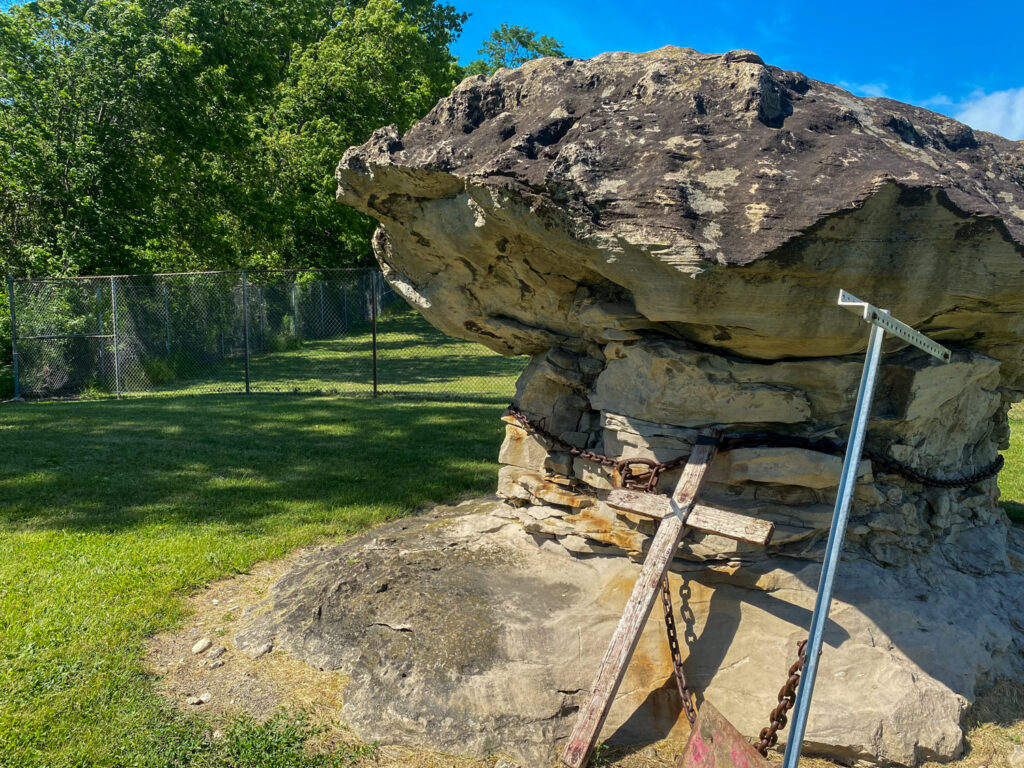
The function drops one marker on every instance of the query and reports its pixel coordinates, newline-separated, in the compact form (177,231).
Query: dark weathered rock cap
(658,173)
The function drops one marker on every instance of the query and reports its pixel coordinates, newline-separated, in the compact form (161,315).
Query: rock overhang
(655,178)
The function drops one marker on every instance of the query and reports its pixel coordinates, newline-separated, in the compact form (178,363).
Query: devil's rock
(665,234)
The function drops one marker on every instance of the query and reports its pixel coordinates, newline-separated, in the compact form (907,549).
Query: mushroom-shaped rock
(666,234)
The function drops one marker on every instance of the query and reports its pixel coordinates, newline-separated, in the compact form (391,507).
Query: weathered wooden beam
(702,518)
(613,668)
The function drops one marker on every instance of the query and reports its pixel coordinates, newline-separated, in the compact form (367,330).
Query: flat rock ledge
(459,630)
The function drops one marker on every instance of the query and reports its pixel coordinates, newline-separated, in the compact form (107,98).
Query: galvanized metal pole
(295,311)
(344,307)
(117,354)
(245,326)
(14,336)
(167,319)
(220,327)
(322,329)
(833,550)
(373,325)
(881,321)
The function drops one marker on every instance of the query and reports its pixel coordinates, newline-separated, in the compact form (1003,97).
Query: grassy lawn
(112,511)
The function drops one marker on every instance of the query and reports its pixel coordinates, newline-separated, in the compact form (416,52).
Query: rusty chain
(677,658)
(626,477)
(777,718)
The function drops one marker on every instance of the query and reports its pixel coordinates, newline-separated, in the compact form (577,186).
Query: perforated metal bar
(890,324)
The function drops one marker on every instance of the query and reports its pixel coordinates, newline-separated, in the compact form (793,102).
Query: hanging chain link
(673,645)
(623,469)
(777,718)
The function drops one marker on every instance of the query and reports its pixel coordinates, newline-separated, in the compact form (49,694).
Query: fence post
(167,319)
(373,325)
(99,323)
(220,327)
(322,332)
(14,336)
(245,325)
(259,309)
(117,354)
(295,310)
(344,306)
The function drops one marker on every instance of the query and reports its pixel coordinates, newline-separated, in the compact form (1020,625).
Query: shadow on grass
(1014,510)
(230,461)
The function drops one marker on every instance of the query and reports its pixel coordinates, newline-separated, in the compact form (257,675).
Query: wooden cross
(675,514)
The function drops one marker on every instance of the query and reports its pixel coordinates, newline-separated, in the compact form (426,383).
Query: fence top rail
(261,271)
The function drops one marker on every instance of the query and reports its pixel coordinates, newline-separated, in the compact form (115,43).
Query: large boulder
(462,632)
(665,235)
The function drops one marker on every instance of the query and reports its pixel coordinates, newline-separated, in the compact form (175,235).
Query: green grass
(112,512)
(1011,479)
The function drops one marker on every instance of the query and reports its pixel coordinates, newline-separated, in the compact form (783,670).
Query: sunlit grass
(113,511)
(413,359)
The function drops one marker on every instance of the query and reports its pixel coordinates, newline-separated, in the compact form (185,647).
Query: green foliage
(158,371)
(1011,479)
(510,46)
(374,67)
(165,135)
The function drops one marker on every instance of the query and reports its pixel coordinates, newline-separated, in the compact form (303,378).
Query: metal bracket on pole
(881,323)
(890,324)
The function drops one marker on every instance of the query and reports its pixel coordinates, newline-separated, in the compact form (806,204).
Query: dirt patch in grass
(238,684)
(263,686)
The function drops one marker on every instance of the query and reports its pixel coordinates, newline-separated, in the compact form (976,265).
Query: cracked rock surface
(666,233)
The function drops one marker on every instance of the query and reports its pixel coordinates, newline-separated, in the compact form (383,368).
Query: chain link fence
(340,331)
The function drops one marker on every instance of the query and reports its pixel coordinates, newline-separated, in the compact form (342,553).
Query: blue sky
(963,59)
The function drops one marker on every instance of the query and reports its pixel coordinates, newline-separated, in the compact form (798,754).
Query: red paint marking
(699,751)
(739,757)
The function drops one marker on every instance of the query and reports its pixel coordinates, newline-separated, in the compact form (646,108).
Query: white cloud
(1001,112)
(866,89)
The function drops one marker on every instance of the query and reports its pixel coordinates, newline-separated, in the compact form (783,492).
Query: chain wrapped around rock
(626,478)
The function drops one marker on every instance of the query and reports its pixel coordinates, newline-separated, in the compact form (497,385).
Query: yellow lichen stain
(550,491)
(756,213)
(514,433)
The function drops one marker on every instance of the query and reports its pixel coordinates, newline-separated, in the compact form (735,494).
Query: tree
(511,46)
(377,65)
(149,135)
